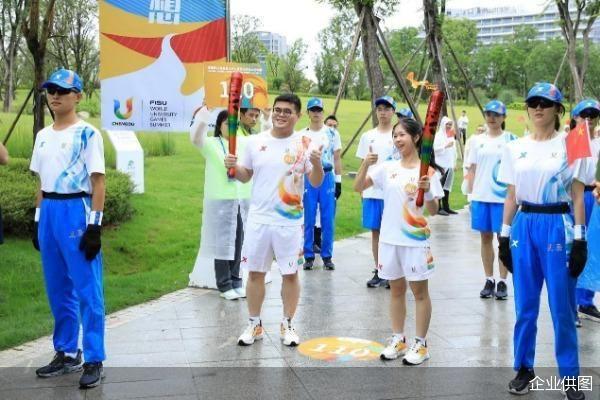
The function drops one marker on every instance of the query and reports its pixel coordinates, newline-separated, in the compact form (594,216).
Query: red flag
(578,143)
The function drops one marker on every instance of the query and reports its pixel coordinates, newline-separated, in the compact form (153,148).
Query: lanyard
(222,145)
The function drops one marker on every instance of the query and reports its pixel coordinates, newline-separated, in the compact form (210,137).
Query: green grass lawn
(154,252)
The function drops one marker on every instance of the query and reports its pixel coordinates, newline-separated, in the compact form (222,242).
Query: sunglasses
(540,102)
(52,90)
(589,113)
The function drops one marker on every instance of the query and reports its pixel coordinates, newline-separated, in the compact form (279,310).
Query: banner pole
(228,21)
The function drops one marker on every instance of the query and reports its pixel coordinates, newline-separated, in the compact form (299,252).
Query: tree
(10,36)
(73,44)
(570,26)
(274,65)
(293,71)
(461,35)
(36,34)
(370,46)
(246,45)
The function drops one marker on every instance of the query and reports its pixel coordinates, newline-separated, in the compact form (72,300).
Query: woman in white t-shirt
(538,242)
(404,253)
(444,146)
(487,193)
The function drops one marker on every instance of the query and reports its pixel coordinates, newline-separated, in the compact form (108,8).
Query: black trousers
(227,272)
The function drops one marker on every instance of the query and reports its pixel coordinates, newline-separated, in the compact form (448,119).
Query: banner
(216,85)
(152,56)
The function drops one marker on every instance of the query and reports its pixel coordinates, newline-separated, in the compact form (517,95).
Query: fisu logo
(128,108)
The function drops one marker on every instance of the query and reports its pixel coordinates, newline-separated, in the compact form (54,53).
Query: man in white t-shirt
(322,197)
(463,124)
(377,140)
(277,161)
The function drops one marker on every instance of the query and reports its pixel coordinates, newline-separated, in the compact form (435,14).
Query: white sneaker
(289,335)
(231,294)
(250,334)
(396,348)
(416,354)
(241,291)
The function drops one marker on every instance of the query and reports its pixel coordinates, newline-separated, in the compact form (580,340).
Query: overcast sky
(305,18)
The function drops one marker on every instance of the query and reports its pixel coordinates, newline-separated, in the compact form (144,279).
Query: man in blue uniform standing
(324,196)
(68,156)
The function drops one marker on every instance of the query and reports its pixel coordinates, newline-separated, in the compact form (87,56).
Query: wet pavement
(183,345)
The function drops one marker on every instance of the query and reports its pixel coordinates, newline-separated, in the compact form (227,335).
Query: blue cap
(495,106)
(584,105)
(545,90)
(389,100)
(405,113)
(314,102)
(65,78)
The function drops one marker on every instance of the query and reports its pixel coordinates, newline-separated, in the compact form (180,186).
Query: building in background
(275,43)
(496,24)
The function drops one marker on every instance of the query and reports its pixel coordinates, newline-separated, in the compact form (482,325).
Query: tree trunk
(433,43)
(370,49)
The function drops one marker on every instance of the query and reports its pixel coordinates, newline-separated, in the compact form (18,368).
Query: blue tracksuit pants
(73,284)
(540,245)
(324,197)
(585,297)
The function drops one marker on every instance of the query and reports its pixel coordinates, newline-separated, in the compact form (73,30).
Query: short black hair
(245,110)
(289,98)
(331,117)
(220,118)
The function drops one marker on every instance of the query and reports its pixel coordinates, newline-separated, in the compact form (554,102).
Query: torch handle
(235,91)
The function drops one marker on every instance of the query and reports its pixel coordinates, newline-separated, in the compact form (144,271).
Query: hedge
(18,187)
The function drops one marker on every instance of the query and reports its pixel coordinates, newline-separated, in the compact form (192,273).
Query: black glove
(90,241)
(338,190)
(578,257)
(504,253)
(34,237)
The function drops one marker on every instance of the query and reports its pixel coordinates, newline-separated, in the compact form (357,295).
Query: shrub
(18,190)
(507,96)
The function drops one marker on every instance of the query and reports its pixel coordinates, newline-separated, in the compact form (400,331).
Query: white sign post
(130,156)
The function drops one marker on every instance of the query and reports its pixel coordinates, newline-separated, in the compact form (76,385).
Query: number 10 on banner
(216,85)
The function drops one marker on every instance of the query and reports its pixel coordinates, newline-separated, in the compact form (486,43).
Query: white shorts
(412,263)
(263,242)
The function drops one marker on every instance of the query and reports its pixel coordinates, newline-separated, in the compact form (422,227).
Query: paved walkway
(189,339)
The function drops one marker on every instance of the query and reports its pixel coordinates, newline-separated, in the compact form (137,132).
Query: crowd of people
(280,205)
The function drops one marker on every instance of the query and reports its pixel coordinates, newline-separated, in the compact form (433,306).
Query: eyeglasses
(287,112)
(540,102)
(52,90)
(589,113)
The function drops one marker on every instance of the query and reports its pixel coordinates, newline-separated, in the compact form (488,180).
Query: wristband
(428,196)
(579,232)
(36,217)
(95,218)
(338,179)
(505,231)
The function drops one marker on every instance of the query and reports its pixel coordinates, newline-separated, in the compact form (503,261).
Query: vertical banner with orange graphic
(152,60)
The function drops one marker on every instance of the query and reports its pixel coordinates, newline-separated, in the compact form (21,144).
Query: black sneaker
(441,211)
(488,289)
(578,323)
(521,383)
(572,393)
(501,291)
(328,264)
(375,281)
(451,212)
(308,264)
(92,375)
(60,365)
(589,312)
(387,283)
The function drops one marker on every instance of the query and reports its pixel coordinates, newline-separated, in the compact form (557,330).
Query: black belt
(589,188)
(560,208)
(327,169)
(64,196)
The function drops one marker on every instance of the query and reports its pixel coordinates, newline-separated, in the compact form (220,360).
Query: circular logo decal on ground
(341,349)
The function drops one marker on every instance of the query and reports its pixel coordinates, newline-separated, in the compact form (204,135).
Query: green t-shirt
(216,183)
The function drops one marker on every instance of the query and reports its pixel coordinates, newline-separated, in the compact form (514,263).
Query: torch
(431,122)
(235,90)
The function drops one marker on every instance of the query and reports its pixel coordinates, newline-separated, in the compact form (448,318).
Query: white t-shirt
(463,122)
(382,144)
(486,154)
(538,170)
(278,166)
(402,223)
(444,157)
(330,139)
(585,169)
(66,159)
